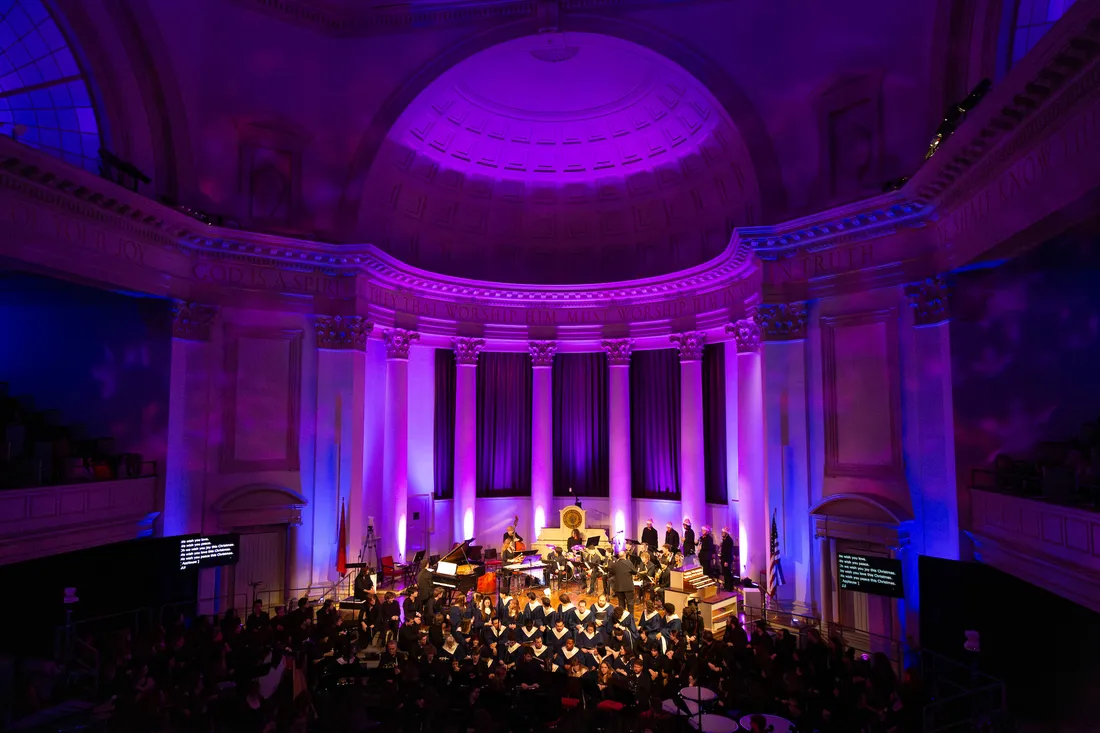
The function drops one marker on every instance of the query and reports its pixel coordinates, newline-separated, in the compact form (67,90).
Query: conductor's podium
(715,606)
(571,517)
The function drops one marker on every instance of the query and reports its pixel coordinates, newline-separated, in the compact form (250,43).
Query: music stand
(593,541)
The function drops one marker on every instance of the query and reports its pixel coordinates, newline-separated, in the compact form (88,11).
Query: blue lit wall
(1025,342)
(100,359)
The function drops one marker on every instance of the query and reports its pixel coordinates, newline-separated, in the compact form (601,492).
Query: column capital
(618,351)
(930,301)
(343,332)
(689,344)
(782,322)
(398,341)
(746,334)
(467,349)
(192,321)
(542,353)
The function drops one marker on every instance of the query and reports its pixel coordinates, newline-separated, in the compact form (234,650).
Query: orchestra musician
(576,538)
(510,534)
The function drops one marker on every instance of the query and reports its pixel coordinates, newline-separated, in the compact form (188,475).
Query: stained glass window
(1033,19)
(44,99)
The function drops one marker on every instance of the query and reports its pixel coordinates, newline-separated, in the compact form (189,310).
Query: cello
(519,544)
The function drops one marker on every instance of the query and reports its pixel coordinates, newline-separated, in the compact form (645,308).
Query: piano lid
(458,554)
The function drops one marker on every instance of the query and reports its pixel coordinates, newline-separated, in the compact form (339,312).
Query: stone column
(933,466)
(188,415)
(294,577)
(786,442)
(618,428)
(693,497)
(395,458)
(751,491)
(542,433)
(930,461)
(466,352)
(340,428)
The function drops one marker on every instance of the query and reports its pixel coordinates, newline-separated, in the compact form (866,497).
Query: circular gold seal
(571,518)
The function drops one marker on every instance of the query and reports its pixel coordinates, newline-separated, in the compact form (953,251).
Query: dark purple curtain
(714,421)
(503,424)
(444,424)
(581,442)
(655,424)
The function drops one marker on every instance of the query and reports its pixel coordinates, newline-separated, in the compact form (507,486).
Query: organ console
(715,606)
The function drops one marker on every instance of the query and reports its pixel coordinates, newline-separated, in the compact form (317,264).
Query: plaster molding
(343,332)
(689,345)
(783,322)
(930,301)
(368,21)
(467,349)
(192,321)
(618,351)
(746,334)
(542,352)
(398,342)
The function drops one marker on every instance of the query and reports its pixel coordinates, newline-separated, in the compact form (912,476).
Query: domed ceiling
(560,158)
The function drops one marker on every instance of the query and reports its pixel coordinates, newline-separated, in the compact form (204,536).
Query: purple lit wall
(99,359)
(1025,344)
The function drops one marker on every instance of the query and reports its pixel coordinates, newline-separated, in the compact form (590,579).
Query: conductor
(622,582)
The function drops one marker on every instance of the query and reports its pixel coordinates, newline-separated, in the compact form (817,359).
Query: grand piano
(456,572)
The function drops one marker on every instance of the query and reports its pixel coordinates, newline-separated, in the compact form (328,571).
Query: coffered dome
(560,158)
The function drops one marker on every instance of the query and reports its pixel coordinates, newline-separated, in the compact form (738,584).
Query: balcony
(1053,546)
(50,520)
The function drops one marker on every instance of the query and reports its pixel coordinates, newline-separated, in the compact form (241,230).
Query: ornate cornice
(542,352)
(689,344)
(467,349)
(398,341)
(343,332)
(746,334)
(783,322)
(192,321)
(618,351)
(1058,74)
(867,219)
(930,301)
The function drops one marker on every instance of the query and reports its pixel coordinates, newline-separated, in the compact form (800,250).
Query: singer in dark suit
(649,536)
(672,538)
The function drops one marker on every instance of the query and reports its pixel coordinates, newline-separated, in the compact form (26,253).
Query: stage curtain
(581,442)
(714,421)
(444,452)
(503,424)
(655,424)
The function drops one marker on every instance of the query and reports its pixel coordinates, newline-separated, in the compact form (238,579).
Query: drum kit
(697,703)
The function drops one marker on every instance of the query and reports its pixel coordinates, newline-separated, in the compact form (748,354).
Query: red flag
(342,543)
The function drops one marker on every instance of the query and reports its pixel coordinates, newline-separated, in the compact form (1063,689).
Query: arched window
(1033,19)
(44,99)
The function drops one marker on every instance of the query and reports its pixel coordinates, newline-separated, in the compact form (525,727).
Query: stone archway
(862,523)
(258,511)
(735,102)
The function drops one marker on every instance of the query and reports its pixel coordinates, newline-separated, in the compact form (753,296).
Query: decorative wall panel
(862,395)
(263,381)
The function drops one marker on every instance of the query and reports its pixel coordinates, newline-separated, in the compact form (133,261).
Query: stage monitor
(878,576)
(208,551)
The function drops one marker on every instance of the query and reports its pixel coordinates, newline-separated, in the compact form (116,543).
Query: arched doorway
(267,517)
(869,526)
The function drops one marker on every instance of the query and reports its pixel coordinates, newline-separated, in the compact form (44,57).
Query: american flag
(775,568)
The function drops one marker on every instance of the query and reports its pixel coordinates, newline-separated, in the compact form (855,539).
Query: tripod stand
(370,545)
